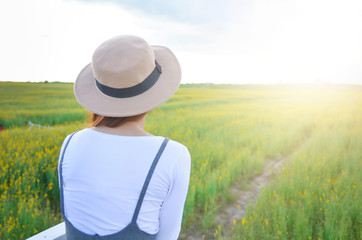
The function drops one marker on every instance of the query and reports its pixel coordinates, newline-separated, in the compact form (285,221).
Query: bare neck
(129,128)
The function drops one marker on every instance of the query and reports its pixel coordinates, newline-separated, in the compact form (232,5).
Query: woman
(116,180)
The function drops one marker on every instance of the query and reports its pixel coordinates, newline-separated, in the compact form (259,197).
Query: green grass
(317,195)
(231,132)
(40,103)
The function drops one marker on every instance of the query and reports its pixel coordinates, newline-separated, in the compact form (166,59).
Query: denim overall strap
(148,179)
(61,176)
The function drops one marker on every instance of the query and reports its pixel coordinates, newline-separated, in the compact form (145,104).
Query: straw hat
(127,77)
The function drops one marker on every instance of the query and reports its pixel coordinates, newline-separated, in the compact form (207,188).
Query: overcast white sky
(230,41)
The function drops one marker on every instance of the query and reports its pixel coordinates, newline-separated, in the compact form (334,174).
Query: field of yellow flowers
(231,132)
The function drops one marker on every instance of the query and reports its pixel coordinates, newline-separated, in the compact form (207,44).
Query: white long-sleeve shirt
(103,175)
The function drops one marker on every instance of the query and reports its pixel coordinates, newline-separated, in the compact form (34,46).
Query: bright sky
(229,41)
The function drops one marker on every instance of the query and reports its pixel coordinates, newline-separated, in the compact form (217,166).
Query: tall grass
(317,195)
(231,132)
(45,104)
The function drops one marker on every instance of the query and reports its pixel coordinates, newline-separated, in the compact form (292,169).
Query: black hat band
(134,90)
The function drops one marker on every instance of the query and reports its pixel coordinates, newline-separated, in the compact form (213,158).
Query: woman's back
(103,175)
(103,170)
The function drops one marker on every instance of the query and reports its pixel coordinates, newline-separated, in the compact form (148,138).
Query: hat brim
(91,98)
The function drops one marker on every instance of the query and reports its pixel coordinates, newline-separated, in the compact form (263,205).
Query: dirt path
(243,197)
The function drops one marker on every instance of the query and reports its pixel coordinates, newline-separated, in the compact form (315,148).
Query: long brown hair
(99,120)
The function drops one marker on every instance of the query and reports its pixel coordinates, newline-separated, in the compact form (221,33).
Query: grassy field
(232,132)
(317,195)
(40,103)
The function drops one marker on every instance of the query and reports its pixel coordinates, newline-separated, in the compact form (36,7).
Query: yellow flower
(216,233)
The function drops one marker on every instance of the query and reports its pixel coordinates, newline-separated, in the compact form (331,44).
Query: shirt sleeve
(172,208)
(60,155)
